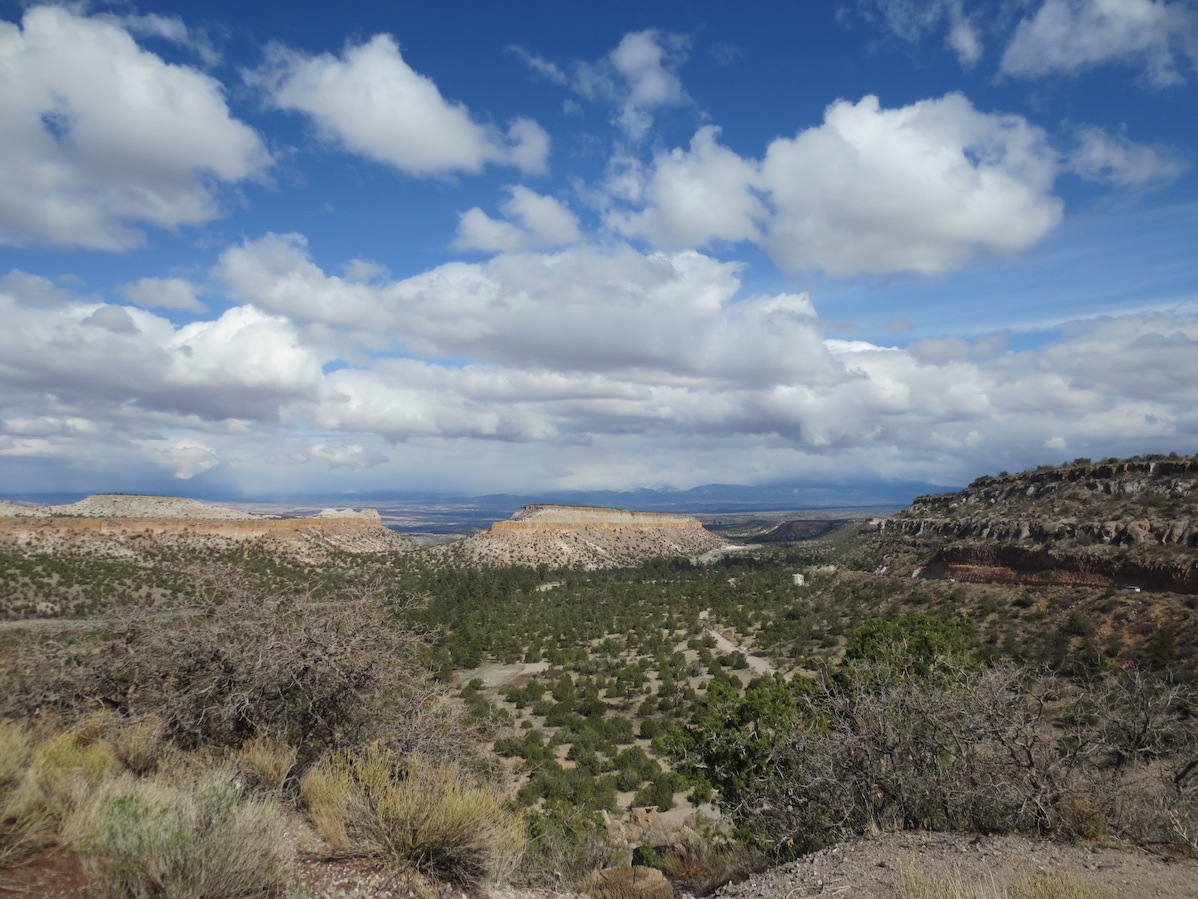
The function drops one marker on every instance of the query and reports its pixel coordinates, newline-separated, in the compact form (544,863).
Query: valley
(627,679)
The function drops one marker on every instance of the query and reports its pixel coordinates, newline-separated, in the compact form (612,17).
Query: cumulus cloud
(637,78)
(165,293)
(114,361)
(275,274)
(99,136)
(924,187)
(927,187)
(593,360)
(584,308)
(648,62)
(695,196)
(532,221)
(370,101)
(1074,35)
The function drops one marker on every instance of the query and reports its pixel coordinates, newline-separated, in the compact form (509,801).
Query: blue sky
(252,249)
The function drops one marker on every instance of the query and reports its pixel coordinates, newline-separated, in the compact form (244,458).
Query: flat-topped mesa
(126,525)
(551,517)
(127,505)
(585,537)
(350,514)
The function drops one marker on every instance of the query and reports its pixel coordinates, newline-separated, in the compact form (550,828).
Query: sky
(252,249)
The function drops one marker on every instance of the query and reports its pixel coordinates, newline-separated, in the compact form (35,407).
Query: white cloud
(112,362)
(1073,35)
(912,19)
(353,456)
(695,196)
(34,290)
(963,38)
(166,293)
(363,270)
(648,62)
(582,309)
(169,28)
(599,364)
(925,187)
(274,273)
(532,222)
(184,457)
(370,101)
(539,65)
(638,77)
(1102,156)
(99,136)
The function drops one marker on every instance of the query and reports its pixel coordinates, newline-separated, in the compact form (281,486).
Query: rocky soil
(873,868)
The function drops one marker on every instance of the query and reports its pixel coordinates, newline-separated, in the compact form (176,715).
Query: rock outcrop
(584,537)
(1106,524)
(126,526)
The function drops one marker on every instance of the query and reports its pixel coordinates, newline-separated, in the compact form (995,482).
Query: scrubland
(207,726)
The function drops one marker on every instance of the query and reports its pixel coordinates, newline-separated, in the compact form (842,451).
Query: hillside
(1111,524)
(584,537)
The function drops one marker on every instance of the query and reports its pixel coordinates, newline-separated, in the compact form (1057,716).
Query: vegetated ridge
(123,526)
(1116,523)
(584,537)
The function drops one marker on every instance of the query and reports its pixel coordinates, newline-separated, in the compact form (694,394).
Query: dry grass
(434,818)
(139,745)
(24,826)
(151,840)
(266,763)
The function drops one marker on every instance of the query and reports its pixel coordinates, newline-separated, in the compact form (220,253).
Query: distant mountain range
(705,498)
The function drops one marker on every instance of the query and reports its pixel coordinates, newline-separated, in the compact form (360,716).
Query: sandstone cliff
(1113,523)
(123,526)
(584,537)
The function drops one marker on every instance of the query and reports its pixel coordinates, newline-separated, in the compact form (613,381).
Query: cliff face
(1119,522)
(124,527)
(584,537)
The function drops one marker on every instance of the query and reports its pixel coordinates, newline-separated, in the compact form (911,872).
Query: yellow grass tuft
(267,763)
(434,818)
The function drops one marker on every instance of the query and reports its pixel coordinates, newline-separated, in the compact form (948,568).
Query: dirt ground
(870,868)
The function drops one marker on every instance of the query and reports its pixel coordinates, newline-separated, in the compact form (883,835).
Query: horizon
(522,250)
